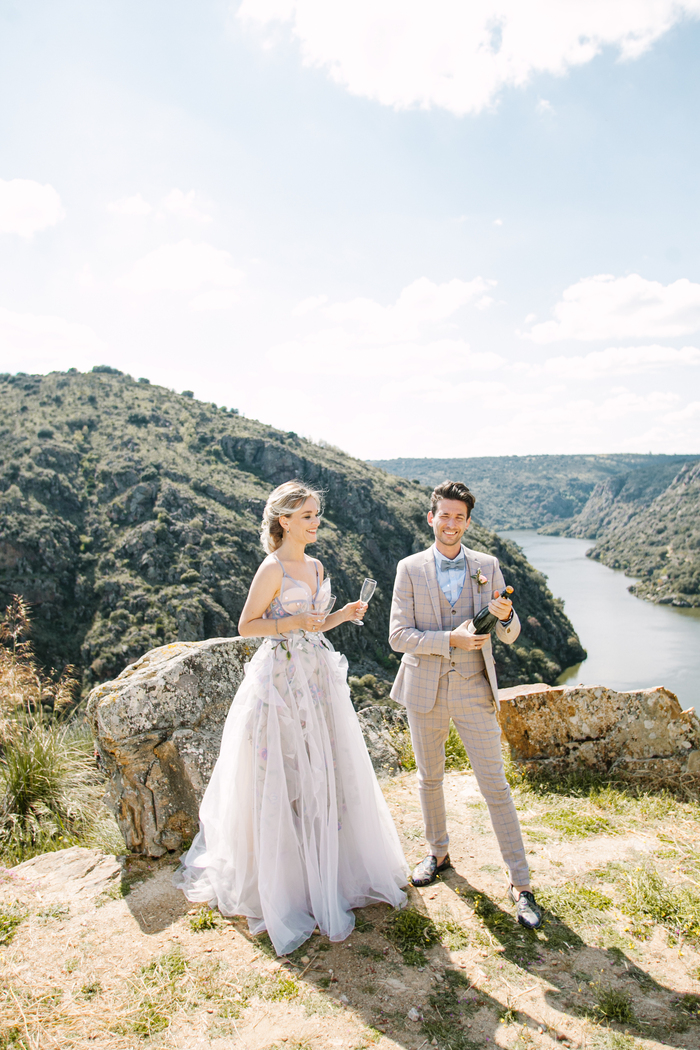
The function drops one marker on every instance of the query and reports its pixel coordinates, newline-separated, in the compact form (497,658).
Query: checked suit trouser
(468,702)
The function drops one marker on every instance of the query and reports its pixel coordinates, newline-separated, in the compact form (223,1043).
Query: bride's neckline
(302,583)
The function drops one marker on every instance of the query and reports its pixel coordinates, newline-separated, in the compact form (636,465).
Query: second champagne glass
(368,588)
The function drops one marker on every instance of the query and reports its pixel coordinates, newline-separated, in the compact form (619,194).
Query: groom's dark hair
(452,490)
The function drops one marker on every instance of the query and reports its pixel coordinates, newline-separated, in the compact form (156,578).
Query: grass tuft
(649,896)
(452,934)
(205,919)
(412,933)
(614,1005)
(10,918)
(578,906)
(159,990)
(574,822)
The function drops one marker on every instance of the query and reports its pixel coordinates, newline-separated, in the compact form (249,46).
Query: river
(631,644)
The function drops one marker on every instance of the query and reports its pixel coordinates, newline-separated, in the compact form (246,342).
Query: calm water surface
(631,644)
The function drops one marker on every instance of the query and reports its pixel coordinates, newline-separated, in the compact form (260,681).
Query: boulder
(70,873)
(158,729)
(642,736)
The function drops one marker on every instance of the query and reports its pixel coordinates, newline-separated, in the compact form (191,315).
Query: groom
(446,672)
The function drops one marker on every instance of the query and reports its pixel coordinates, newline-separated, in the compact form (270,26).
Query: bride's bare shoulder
(269,568)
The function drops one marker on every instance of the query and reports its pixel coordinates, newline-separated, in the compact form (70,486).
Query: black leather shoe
(428,870)
(527,910)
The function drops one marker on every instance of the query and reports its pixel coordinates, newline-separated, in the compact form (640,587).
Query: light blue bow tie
(458,565)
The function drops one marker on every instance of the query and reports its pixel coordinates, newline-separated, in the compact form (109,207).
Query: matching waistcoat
(464,663)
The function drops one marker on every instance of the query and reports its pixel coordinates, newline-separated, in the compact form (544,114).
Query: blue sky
(386,225)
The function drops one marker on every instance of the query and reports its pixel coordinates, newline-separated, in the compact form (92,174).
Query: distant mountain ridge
(130,516)
(529,492)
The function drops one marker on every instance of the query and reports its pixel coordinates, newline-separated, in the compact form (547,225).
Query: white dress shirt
(451,583)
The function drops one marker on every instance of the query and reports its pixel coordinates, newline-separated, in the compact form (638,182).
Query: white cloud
(184,204)
(607,307)
(338,353)
(175,202)
(457,55)
(420,303)
(307,305)
(544,106)
(628,360)
(41,343)
(188,268)
(27,207)
(135,205)
(362,337)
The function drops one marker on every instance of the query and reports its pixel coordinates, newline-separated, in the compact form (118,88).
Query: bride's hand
(309,621)
(355,610)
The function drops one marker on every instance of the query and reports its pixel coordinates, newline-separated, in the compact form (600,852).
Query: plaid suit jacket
(415,627)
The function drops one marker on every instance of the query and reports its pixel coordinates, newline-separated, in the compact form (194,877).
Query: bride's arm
(353,611)
(265,586)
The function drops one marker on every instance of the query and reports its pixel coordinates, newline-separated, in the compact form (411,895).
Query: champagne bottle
(484,621)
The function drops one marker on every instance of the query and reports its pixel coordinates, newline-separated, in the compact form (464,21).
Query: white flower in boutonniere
(479,577)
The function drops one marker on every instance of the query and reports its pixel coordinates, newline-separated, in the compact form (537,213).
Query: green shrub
(48,788)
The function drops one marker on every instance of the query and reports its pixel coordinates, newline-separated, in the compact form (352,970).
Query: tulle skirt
(294,830)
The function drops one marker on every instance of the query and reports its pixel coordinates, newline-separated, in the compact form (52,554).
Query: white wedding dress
(294,830)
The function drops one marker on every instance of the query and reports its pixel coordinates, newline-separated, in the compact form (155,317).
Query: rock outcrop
(70,874)
(642,736)
(158,729)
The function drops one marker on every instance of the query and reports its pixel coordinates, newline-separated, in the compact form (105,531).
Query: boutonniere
(479,577)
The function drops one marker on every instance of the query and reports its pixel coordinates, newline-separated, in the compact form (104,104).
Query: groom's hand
(501,607)
(460,638)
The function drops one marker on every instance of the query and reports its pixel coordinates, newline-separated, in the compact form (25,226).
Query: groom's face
(449,522)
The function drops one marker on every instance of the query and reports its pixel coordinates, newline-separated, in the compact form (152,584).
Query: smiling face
(449,523)
(302,524)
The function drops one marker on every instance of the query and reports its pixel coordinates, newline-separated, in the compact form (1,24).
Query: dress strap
(284,571)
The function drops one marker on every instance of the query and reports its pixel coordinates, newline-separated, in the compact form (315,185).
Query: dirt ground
(116,958)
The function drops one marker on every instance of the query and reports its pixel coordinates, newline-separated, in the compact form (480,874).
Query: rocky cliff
(648,524)
(129,518)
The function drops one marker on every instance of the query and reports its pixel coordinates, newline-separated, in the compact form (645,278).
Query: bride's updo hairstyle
(280,503)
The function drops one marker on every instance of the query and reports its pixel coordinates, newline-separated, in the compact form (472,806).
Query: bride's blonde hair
(284,500)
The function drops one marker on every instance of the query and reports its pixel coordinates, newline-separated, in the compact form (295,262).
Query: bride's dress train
(294,830)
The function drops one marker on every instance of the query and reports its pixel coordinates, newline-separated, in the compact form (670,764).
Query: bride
(294,830)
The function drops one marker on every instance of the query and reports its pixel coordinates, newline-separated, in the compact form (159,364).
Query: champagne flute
(324,607)
(366,593)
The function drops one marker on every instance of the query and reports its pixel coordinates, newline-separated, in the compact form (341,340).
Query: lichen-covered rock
(158,728)
(642,736)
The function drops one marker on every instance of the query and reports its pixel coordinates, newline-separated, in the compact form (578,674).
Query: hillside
(130,518)
(648,524)
(528,492)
